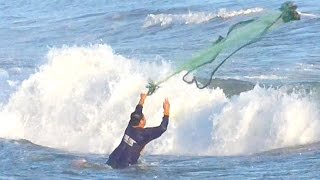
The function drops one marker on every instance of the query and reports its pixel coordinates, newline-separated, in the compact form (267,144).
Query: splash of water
(81,99)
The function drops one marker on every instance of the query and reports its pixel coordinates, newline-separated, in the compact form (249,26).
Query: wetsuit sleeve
(155,132)
(138,109)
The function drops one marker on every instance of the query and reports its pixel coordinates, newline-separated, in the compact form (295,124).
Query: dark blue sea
(71,72)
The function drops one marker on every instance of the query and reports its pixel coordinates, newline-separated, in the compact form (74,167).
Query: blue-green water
(71,73)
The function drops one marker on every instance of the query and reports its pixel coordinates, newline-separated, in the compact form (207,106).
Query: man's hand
(143,97)
(166,107)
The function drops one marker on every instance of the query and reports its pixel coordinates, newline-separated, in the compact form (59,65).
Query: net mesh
(239,36)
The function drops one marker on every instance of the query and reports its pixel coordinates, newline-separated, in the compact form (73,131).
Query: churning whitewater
(81,98)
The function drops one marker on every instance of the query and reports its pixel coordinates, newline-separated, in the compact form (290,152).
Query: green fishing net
(239,36)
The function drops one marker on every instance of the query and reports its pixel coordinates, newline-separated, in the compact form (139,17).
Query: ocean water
(71,73)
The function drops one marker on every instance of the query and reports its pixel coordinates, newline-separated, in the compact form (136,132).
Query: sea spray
(264,119)
(81,99)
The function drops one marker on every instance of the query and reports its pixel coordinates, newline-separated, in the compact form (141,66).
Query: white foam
(82,98)
(193,17)
(309,15)
(12,83)
(264,119)
(266,77)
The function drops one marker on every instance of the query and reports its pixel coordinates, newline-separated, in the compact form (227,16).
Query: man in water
(136,136)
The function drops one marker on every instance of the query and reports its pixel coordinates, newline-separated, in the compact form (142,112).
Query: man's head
(137,120)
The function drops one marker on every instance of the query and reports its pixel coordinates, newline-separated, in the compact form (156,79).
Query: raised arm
(155,132)
(143,97)
(140,104)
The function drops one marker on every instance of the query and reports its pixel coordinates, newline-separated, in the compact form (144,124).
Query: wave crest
(164,20)
(81,99)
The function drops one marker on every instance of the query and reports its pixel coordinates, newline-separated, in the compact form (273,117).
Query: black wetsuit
(133,141)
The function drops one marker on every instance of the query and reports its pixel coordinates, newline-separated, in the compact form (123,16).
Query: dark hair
(135,118)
